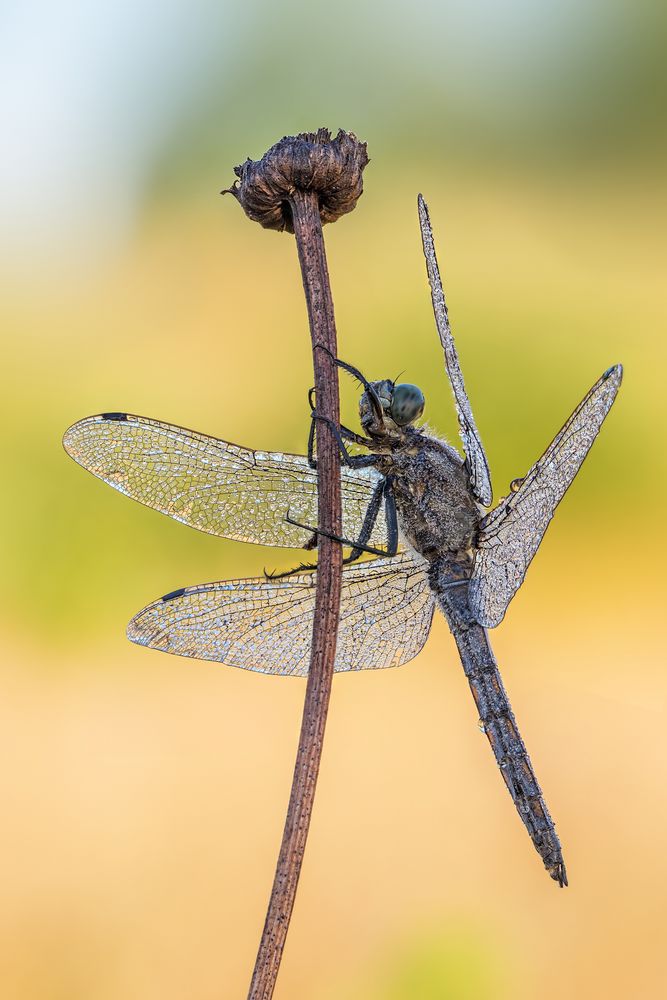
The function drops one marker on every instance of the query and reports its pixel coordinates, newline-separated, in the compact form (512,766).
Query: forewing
(212,485)
(480,479)
(266,625)
(511,534)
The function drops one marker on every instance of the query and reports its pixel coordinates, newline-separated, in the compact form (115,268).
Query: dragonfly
(409,499)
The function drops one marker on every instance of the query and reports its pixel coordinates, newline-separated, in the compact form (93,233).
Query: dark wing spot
(114,416)
(174,594)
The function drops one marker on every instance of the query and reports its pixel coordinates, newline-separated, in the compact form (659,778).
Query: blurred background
(143,796)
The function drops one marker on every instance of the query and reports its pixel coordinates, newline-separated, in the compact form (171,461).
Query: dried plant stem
(310,244)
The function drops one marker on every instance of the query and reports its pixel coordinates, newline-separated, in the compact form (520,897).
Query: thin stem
(312,258)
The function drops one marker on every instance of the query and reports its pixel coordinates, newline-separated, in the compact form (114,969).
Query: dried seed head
(311,161)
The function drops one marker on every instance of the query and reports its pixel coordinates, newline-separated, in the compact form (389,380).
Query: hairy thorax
(436,511)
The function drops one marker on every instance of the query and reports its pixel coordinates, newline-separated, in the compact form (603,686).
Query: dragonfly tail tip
(559,874)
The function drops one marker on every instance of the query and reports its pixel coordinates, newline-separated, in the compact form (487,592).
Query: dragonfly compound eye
(407,404)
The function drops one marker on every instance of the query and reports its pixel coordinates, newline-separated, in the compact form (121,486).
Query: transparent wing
(480,479)
(511,534)
(266,625)
(217,487)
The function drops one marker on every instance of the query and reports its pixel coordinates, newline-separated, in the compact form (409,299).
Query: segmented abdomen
(498,722)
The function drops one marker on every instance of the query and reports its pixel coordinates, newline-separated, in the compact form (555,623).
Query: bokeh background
(143,796)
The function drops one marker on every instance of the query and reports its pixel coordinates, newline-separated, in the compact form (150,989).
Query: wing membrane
(480,479)
(266,625)
(212,485)
(511,534)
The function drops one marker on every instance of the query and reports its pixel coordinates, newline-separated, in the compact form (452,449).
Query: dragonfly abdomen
(498,722)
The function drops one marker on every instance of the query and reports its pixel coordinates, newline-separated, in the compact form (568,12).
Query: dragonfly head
(386,406)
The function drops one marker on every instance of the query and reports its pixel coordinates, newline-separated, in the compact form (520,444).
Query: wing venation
(212,485)
(266,625)
(480,478)
(511,534)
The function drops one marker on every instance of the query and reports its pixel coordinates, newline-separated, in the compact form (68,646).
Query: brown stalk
(300,183)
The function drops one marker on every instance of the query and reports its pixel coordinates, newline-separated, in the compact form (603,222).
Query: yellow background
(143,796)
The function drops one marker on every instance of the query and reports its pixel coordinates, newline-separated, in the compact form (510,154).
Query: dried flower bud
(311,161)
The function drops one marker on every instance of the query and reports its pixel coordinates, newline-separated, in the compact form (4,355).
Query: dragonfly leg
(350,369)
(301,568)
(383,489)
(345,432)
(312,461)
(391,516)
(370,517)
(372,394)
(340,433)
(338,538)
